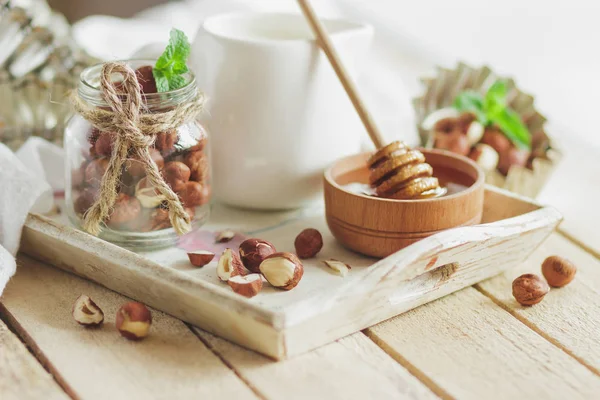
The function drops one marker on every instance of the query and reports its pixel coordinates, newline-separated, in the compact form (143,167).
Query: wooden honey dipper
(397,172)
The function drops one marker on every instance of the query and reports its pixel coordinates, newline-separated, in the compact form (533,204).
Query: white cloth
(24,186)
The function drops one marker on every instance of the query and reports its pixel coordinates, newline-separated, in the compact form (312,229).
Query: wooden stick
(327,46)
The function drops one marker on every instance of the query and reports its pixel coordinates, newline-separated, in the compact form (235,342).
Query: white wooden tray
(323,307)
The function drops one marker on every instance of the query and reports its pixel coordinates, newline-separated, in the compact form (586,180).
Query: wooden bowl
(379,227)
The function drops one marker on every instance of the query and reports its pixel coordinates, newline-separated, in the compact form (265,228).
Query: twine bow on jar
(136,131)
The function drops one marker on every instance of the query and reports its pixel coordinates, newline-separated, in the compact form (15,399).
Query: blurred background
(550,47)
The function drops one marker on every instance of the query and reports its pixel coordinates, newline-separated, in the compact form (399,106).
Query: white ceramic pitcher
(277,114)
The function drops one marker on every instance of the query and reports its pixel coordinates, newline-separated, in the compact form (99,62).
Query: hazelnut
(485,156)
(229,265)
(558,271)
(190,211)
(125,210)
(93,135)
(254,251)
(246,285)
(192,195)
(282,270)
(200,258)
(474,132)
(176,174)
(512,157)
(225,236)
(338,267)
(95,170)
(86,312)
(308,243)
(133,320)
(148,196)
(85,200)
(103,145)
(529,289)
(159,219)
(464,121)
(455,142)
(445,125)
(145,78)
(495,138)
(198,164)
(165,141)
(136,169)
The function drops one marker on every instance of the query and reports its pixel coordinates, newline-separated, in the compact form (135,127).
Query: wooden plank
(568,317)
(99,363)
(467,347)
(351,368)
(574,189)
(323,307)
(21,375)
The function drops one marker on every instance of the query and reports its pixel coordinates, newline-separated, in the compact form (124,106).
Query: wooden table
(475,344)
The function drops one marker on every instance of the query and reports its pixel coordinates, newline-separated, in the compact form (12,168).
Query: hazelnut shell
(246,285)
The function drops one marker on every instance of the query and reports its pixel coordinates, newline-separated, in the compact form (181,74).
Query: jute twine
(136,131)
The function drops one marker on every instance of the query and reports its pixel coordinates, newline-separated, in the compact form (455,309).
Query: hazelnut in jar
(139,218)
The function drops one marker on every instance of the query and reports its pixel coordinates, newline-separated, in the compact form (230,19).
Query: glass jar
(140,218)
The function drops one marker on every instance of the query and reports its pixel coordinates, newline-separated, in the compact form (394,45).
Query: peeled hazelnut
(282,270)
(200,258)
(338,267)
(474,132)
(485,156)
(496,139)
(512,157)
(176,174)
(145,78)
(192,195)
(529,289)
(254,251)
(86,312)
(224,236)
(103,145)
(95,170)
(455,142)
(558,271)
(133,320)
(148,196)
(165,141)
(308,243)
(246,285)
(229,265)
(125,210)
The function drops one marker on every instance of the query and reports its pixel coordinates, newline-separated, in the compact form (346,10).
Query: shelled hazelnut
(95,170)
(254,251)
(176,174)
(558,271)
(454,141)
(85,200)
(282,270)
(200,258)
(192,195)
(126,210)
(136,169)
(512,157)
(229,265)
(308,243)
(529,289)
(165,142)
(246,285)
(485,156)
(133,320)
(103,145)
(198,165)
(148,196)
(145,77)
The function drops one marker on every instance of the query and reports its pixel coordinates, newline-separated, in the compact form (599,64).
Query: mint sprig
(493,110)
(171,65)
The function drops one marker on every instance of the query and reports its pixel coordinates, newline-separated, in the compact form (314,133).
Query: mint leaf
(470,101)
(176,82)
(513,128)
(171,65)
(495,98)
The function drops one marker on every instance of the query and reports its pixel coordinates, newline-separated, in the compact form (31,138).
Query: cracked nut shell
(246,285)
(282,270)
(254,251)
(200,258)
(529,289)
(86,312)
